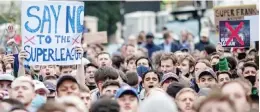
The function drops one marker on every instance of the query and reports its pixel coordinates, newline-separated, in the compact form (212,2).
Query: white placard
(51,30)
(254,26)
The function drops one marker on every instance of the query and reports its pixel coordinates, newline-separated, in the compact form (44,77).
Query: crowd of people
(175,76)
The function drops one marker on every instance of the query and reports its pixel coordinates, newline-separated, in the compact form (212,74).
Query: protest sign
(51,30)
(228,13)
(254,26)
(235,33)
(95,37)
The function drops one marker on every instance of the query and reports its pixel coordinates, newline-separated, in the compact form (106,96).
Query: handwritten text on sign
(50,31)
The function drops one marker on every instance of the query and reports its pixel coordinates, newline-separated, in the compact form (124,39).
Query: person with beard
(36,72)
(90,70)
(150,80)
(168,63)
(150,46)
(249,71)
(104,59)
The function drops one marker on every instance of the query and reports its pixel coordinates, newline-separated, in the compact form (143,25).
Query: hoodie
(158,101)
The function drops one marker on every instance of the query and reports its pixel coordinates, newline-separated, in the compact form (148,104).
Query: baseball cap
(149,35)
(50,86)
(6,77)
(169,76)
(126,89)
(65,78)
(40,85)
(208,71)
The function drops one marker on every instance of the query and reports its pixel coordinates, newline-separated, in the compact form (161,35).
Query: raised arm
(21,71)
(80,68)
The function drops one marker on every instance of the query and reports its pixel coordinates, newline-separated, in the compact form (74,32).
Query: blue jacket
(201,45)
(151,48)
(174,47)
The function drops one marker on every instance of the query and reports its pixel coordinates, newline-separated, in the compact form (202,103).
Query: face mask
(38,101)
(251,79)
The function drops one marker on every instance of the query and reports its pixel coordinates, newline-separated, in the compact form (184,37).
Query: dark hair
(117,61)
(64,66)
(149,62)
(110,83)
(89,65)
(103,53)
(105,73)
(223,72)
(232,62)
(166,35)
(158,75)
(122,75)
(249,64)
(132,78)
(174,88)
(105,105)
(129,58)
(13,102)
(3,65)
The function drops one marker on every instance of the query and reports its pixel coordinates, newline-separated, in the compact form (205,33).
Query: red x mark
(29,40)
(75,40)
(234,33)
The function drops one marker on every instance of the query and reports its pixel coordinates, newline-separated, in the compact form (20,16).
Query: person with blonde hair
(185,99)
(72,103)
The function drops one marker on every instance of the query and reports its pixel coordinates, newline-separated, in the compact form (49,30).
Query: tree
(108,13)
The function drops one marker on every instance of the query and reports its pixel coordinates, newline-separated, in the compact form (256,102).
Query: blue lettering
(56,54)
(45,55)
(56,16)
(62,53)
(45,19)
(50,53)
(30,55)
(58,37)
(70,19)
(40,36)
(68,55)
(31,15)
(79,26)
(38,53)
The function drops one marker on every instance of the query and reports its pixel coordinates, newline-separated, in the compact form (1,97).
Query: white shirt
(167,47)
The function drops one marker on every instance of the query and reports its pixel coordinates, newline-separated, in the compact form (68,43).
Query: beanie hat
(223,64)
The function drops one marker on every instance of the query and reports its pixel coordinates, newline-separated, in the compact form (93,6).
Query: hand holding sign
(8,59)
(22,55)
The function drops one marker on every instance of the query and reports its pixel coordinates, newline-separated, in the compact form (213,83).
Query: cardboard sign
(254,24)
(51,30)
(228,13)
(235,33)
(95,37)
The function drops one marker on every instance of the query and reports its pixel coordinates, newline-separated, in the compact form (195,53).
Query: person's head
(52,106)
(239,66)
(103,74)
(214,58)
(7,104)
(52,90)
(85,96)
(67,85)
(149,38)
(72,103)
(132,79)
(185,99)
(167,37)
(174,88)
(156,56)
(187,64)
(117,61)
(237,93)
(130,63)
(223,77)
(204,34)
(65,69)
(249,69)
(143,61)
(47,70)
(104,59)
(130,49)
(200,65)
(40,89)
(110,87)
(167,79)
(9,68)
(127,98)
(168,63)
(106,104)
(90,70)
(5,82)
(207,78)
(23,90)
(216,103)
(150,80)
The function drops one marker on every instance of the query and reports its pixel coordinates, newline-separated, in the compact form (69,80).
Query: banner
(235,33)
(51,30)
(228,13)
(95,37)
